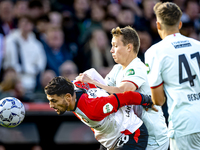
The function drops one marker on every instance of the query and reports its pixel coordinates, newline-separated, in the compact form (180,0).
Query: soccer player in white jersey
(130,74)
(174,76)
(96,108)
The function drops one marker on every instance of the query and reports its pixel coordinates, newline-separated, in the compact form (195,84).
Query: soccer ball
(12,112)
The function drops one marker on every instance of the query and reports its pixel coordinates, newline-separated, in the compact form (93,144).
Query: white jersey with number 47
(175,63)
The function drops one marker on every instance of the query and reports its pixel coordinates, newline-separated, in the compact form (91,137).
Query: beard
(60,112)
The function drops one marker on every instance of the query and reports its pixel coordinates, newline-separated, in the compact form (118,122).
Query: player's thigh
(136,141)
(189,142)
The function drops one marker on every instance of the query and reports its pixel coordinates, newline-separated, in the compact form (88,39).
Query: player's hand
(84,78)
(147,102)
(153,108)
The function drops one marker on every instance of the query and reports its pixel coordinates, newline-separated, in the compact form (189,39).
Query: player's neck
(128,61)
(165,33)
(73,103)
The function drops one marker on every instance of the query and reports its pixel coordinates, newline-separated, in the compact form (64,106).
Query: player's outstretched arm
(135,98)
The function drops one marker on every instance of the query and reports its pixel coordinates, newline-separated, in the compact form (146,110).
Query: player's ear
(68,97)
(180,25)
(129,47)
(158,25)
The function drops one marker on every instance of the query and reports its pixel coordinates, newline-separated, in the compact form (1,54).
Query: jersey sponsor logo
(107,108)
(181,44)
(128,110)
(130,72)
(193,97)
(148,68)
(92,92)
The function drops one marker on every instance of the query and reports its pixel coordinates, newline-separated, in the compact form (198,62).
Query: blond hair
(169,13)
(129,36)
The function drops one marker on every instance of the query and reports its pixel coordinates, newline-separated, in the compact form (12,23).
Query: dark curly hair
(59,86)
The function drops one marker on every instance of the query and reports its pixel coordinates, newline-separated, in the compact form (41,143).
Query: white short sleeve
(111,76)
(154,68)
(135,75)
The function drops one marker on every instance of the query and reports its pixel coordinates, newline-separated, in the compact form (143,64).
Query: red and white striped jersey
(96,108)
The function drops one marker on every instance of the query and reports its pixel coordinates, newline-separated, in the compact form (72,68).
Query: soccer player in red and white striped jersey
(99,113)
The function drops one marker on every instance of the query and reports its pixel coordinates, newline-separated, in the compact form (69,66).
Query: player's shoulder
(117,66)
(194,41)
(136,66)
(154,49)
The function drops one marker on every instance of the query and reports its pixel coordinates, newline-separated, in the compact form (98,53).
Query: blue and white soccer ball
(12,112)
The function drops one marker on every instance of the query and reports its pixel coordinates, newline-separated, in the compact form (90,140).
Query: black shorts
(136,141)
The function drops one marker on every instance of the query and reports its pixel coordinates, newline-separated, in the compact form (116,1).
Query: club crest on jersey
(130,72)
(148,68)
(107,108)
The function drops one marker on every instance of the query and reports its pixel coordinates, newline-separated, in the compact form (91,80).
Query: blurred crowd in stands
(41,39)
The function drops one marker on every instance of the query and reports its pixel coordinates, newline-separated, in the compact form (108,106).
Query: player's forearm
(158,100)
(133,98)
(109,89)
(158,95)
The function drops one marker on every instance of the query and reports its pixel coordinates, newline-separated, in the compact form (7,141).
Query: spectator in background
(35,9)
(55,19)
(133,6)
(147,7)
(113,9)
(11,86)
(20,9)
(41,26)
(81,9)
(189,30)
(97,16)
(25,53)
(180,3)
(191,14)
(153,30)
(145,43)
(108,24)
(46,6)
(70,29)
(126,17)
(6,17)
(45,77)
(97,53)
(56,51)
(69,69)
(101,3)
(81,13)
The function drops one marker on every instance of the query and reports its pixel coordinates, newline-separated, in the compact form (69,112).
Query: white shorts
(164,146)
(188,142)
